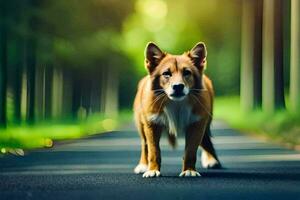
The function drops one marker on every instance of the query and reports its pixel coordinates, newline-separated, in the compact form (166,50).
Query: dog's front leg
(193,137)
(153,133)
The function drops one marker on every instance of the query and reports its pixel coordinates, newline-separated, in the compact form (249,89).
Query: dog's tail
(172,140)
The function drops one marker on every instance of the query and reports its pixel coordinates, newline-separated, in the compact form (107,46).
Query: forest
(70,67)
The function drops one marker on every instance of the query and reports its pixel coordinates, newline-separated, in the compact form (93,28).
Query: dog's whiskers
(198,90)
(163,101)
(204,108)
(158,91)
(160,96)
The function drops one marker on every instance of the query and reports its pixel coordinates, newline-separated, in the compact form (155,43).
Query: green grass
(43,134)
(282,126)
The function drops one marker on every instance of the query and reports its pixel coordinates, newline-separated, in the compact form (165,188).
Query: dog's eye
(187,73)
(167,74)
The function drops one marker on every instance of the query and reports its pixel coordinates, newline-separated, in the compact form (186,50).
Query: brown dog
(175,97)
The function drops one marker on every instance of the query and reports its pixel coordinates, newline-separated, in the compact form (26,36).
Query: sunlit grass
(43,135)
(282,126)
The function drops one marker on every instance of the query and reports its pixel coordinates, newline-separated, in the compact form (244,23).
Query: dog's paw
(213,165)
(140,168)
(189,173)
(209,162)
(151,173)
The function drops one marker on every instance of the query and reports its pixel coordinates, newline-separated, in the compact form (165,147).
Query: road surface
(101,167)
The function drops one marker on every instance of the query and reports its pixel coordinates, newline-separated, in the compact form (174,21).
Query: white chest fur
(176,117)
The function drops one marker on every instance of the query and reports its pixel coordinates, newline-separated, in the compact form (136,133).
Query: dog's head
(176,75)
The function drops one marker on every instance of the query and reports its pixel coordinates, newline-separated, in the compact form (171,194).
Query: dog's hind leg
(209,157)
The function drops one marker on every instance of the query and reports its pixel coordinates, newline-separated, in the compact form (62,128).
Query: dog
(175,97)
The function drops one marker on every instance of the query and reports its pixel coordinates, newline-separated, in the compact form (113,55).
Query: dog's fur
(175,97)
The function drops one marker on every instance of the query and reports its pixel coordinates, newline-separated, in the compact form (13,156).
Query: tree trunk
(103,90)
(268,56)
(30,66)
(273,90)
(247,90)
(3,78)
(48,78)
(17,84)
(67,94)
(39,92)
(95,95)
(76,96)
(295,56)
(251,55)
(111,93)
(257,56)
(57,93)
(278,55)
(3,67)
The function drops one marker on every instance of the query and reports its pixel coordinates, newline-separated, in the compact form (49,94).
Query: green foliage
(83,33)
(176,27)
(43,134)
(281,126)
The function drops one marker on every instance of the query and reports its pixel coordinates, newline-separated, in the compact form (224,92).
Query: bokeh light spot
(3,150)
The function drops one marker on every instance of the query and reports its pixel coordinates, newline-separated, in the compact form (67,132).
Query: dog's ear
(153,56)
(198,55)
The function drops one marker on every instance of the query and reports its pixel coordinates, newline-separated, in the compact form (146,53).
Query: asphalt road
(101,167)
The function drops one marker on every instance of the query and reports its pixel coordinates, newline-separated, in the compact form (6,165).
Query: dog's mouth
(177,96)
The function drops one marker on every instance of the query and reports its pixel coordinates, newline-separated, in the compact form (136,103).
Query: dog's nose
(178,88)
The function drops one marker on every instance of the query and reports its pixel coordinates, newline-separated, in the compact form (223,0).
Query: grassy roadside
(282,126)
(43,135)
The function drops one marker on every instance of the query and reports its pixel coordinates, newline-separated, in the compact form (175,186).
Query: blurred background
(70,68)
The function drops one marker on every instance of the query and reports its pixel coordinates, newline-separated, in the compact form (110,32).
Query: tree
(17,80)
(3,62)
(278,55)
(273,86)
(257,63)
(57,50)
(30,72)
(86,54)
(31,57)
(251,55)
(57,93)
(295,56)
